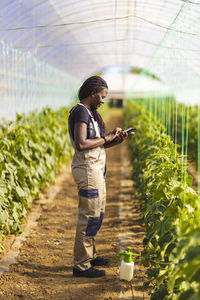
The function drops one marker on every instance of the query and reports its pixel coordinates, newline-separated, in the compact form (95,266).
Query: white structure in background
(128,85)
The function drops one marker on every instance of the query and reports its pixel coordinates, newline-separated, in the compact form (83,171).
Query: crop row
(180,121)
(31,150)
(169,207)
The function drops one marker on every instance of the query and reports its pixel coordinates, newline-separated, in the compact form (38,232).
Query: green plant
(30,154)
(170,209)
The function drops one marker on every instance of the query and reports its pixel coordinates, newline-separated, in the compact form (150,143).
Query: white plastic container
(126,270)
(127,265)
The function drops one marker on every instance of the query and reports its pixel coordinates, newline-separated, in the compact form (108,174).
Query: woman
(87,133)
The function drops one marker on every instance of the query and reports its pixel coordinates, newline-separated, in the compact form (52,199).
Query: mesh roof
(83,37)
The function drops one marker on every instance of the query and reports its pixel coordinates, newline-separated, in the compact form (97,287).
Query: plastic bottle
(127,265)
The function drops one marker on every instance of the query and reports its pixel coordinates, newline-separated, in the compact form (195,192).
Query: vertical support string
(169,117)
(198,151)
(182,141)
(186,138)
(176,129)
(155,107)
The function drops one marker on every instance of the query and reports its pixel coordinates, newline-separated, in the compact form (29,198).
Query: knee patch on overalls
(91,205)
(94,224)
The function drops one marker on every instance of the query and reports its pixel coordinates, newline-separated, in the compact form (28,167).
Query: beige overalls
(88,170)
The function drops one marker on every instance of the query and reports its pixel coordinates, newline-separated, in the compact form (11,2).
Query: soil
(43,266)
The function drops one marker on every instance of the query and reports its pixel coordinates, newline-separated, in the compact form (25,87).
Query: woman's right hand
(113,134)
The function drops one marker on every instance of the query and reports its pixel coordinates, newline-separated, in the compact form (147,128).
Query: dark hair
(93,84)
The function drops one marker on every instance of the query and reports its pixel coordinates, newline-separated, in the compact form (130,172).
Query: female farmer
(87,133)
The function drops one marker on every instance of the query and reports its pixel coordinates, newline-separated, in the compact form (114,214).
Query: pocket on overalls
(90,207)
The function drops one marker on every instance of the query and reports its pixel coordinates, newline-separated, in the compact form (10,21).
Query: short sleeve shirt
(80,114)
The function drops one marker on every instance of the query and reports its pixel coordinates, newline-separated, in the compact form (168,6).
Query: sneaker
(91,272)
(99,261)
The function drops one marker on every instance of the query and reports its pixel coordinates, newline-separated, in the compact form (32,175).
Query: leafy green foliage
(174,124)
(31,151)
(170,210)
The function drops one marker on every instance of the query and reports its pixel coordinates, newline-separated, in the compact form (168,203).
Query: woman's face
(98,98)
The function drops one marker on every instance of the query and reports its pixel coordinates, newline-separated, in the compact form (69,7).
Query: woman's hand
(117,136)
(121,137)
(111,136)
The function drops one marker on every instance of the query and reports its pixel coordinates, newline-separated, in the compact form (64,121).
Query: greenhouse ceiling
(84,37)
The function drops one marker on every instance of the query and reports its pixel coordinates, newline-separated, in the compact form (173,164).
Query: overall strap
(95,124)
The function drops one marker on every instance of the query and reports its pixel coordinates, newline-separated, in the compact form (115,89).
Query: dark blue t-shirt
(80,114)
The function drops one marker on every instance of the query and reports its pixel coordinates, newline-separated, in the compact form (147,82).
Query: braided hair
(93,84)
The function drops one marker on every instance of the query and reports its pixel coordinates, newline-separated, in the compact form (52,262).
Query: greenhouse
(60,185)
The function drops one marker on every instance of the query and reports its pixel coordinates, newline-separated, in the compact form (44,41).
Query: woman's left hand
(121,137)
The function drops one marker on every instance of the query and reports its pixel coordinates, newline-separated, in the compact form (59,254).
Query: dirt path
(43,267)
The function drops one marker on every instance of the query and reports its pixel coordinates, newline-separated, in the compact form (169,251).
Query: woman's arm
(81,141)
